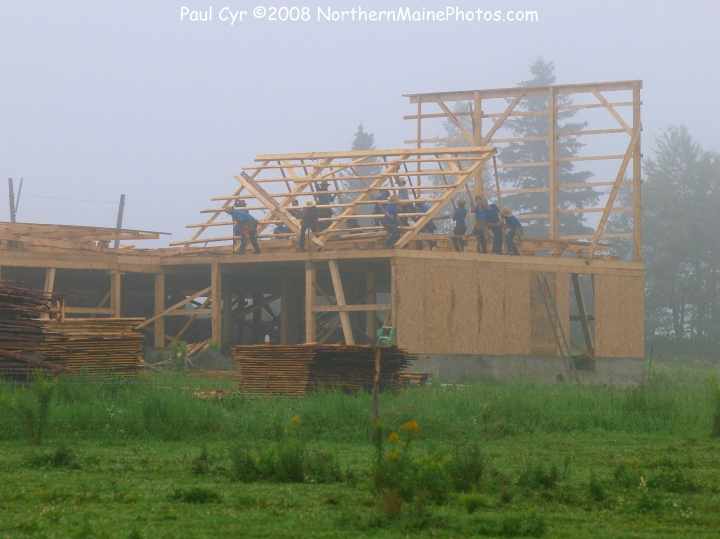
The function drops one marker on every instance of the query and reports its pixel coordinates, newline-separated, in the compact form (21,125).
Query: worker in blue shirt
(380,196)
(244,226)
(281,229)
(403,194)
(490,214)
(391,221)
(460,227)
(514,228)
(428,228)
(479,230)
(324,199)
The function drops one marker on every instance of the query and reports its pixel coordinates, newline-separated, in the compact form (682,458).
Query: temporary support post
(159,307)
(11,193)
(226,313)
(216,302)
(257,297)
(49,284)
(477,140)
(115,294)
(284,310)
(340,299)
(589,345)
(309,302)
(637,180)
(118,225)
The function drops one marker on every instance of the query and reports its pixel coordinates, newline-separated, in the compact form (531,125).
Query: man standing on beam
(244,225)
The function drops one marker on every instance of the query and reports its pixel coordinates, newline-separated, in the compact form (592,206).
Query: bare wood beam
(177,305)
(612,111)
(309,302)
(502,118)
(580,299)
(454,120)
(340,297)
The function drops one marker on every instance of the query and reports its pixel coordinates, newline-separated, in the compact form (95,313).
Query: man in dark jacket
(308,221)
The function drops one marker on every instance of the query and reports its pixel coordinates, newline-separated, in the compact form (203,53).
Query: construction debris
(304,368)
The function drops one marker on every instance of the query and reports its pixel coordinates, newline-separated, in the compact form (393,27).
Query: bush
(473,502)
(536,475)
(597,491)
(466,467)
(196,495)
(61,457)
(527,525)
(32,406)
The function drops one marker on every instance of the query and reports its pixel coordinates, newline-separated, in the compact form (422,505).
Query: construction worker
(460,227)
(403,194)
(308,221)
(324,199)
(378,209)
(281,229)
(428,228)
(514,228)
(244,225)
(391,221)
(490,214)
(479,230)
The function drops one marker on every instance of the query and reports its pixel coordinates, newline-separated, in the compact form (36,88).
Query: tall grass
(674,400)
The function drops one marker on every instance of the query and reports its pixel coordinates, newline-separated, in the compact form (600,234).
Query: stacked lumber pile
(33,337)
(299,369)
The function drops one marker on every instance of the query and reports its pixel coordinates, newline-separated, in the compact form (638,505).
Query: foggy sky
(103,98)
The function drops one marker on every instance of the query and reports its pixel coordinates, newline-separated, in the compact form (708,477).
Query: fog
(103,98)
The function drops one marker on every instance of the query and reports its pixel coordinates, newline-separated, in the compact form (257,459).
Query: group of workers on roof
(488,217)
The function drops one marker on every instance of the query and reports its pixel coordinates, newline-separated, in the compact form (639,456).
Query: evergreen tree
(539,151)
(362,141)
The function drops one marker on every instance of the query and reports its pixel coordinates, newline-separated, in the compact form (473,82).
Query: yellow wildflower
(410,426)
(393,438)
(394,455)
(295,420)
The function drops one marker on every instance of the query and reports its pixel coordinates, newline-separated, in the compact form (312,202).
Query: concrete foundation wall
(612,372)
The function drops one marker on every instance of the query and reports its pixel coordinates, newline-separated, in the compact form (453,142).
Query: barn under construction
(468,315)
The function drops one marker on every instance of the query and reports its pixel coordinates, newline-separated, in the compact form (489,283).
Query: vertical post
(257,297)
(11,193)
(216,302)
(159,307)
(115,294)
(118,225)
(309,302)
(419,138)
(552,108)
(226,314)
(284,311)
(370,298)
(582,311)
(376,386)
(477,141)
(49,284)
(392,315)
(637,180)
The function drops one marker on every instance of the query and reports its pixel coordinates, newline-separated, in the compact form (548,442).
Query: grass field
(149,458)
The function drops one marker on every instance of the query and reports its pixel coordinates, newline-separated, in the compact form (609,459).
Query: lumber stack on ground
(299,369)
(29,343)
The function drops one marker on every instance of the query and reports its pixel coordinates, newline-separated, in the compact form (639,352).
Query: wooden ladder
(558,329)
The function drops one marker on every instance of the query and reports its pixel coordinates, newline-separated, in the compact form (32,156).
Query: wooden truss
(436,105)
(279,181)
(65,238)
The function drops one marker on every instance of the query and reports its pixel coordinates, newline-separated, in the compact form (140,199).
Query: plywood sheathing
(619,316)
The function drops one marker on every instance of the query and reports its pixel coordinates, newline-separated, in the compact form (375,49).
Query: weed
(32,406)
(322,467)
(473,502)
(243,467)
(596,488)
(60,457)
(536,475)
(528,525)
(466,467)
(196,495)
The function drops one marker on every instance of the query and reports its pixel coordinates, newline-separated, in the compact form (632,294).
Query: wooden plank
(115,294)
(216,299)
(370,298)
(502,118)
(89,310)
(340,298)
(352,308)
(619,316)
(284,310)
(176,306)
(612,111)
(454,120)
(553,164)
(612,196)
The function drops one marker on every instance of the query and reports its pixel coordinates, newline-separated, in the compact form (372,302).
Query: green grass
(147,458)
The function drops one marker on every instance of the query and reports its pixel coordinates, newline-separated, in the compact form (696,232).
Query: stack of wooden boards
(30,342)
(299,369)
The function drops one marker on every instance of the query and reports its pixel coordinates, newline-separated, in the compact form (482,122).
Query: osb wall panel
(446,308)
(619,316)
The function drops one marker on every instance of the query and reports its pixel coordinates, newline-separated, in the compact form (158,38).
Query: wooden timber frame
(345,287)
(488,129)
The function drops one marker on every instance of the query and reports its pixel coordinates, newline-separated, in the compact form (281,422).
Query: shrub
(473,502)
(61,457)
(597,491)
(243,467)
(536,475)
(527,525)
(321,467)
